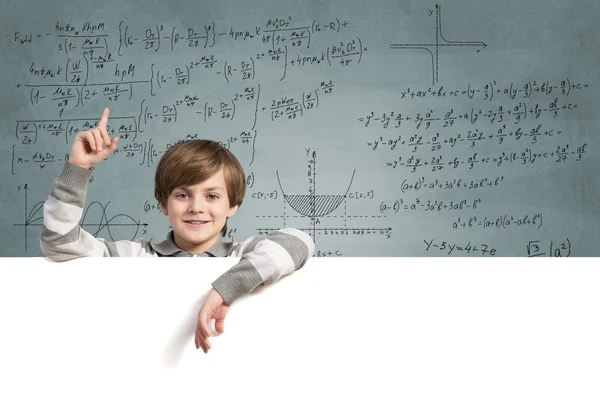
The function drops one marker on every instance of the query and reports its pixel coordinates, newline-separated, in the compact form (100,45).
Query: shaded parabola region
(118,227)
(314,205)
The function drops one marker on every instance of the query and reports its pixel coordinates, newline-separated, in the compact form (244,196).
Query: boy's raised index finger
(104,118)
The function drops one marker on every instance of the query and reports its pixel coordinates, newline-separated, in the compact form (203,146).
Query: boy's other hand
(213,308)
(87,148)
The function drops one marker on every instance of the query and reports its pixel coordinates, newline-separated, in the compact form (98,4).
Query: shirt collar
(168,248)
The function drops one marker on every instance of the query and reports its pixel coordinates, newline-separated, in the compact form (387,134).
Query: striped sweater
(263,260)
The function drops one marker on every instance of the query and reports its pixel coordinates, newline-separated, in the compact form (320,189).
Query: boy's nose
(196,206)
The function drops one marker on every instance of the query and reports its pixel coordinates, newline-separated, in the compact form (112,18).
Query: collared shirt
(168,248)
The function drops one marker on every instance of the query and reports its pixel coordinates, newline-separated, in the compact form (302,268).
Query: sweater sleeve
(62,238)
(263,261)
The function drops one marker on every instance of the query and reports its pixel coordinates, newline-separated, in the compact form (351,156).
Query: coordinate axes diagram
(326,213)
(94,220)
(433,48)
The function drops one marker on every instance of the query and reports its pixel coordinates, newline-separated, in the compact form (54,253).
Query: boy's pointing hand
(87,149)
(213,308)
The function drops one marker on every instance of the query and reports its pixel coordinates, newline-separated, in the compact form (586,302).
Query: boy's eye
(212,196)
(181,195)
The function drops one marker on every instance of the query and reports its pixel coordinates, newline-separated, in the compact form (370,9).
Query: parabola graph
(314,205)
(326,212)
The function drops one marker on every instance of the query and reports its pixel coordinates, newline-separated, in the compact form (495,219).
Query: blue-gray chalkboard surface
(382,128)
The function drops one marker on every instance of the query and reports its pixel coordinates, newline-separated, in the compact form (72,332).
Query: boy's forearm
(264,261)
(64,206)
(62,212)
(70,186)
(241,279)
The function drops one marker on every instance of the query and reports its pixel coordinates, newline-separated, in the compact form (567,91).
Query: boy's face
(197,213)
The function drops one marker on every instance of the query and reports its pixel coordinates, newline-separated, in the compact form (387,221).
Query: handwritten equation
(94,50)
(560,154)
(534,248)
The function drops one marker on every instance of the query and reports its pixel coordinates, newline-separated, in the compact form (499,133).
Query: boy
(199,185)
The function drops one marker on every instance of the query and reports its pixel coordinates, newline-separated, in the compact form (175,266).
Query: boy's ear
(232,211)
(164,210)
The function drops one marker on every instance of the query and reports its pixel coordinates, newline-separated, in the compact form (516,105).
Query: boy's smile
(197,213)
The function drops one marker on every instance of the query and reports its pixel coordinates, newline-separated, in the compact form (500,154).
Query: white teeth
(196,222)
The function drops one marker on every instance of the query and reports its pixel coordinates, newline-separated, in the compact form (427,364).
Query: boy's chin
(196,242)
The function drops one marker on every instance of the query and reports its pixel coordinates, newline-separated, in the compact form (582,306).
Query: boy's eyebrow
(210,189)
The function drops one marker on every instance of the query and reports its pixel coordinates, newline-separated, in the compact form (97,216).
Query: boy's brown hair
(194,161)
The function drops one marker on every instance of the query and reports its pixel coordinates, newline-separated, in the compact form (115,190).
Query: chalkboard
(382,128)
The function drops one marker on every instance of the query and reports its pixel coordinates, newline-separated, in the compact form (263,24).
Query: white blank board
(410,328)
